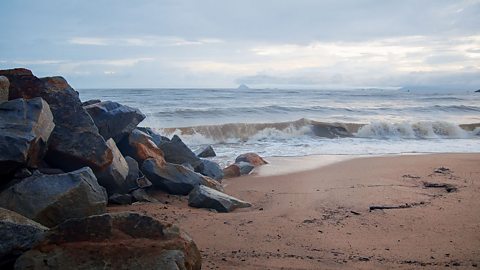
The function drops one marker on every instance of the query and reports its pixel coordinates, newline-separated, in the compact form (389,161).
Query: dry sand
(320,219)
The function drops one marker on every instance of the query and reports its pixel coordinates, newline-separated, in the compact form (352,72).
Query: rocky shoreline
(63,161)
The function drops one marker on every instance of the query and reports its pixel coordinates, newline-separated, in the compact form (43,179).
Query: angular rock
(141,195)
(90,102)
(251,158)
(174,178)
(114,177)
(205,197)
(4,85)
(75,141)
(177,152)
(113,119)
(52,199)
(25,127)
(206,152)
(18,234)
(156,138)
(210,169)
(113,241)
(140,147)
(120,199)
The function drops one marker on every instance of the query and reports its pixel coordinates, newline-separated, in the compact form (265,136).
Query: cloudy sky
(263,43)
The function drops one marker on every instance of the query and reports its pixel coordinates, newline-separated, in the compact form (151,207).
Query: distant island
(478,91)
(243,87)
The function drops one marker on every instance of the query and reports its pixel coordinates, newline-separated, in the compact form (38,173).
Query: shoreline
(320,218)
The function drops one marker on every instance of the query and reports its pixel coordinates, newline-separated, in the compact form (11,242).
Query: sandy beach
(321,218)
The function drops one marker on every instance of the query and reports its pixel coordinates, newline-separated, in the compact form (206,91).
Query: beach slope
(322,218)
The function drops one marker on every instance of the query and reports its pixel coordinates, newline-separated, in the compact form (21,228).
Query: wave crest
(250,132)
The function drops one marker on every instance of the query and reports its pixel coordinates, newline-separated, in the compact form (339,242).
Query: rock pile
(62,161)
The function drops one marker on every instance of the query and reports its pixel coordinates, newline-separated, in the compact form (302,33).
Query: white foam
(417,130)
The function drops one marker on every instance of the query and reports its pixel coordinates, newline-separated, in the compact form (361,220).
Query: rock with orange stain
(140,147)
(251,158)
(124,240)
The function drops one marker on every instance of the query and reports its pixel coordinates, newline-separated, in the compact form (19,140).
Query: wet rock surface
(25,127)
(113,119)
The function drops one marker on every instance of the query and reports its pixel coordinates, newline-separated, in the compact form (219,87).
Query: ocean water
(275,122)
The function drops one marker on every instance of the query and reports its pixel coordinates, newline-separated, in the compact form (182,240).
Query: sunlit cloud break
(148,41)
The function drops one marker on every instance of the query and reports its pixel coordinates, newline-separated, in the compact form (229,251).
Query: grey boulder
(114,241)
(25,127)
(206,152)
(175,178)
(113,119)
(205,197)
(18,235)
(52,199)
(211,169)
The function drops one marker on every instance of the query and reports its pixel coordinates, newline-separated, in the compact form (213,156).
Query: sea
(300,122)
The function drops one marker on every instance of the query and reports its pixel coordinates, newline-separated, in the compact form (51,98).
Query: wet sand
(320,218)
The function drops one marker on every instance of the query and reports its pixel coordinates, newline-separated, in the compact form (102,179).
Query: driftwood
(448,187)
(398,206)
(382,207)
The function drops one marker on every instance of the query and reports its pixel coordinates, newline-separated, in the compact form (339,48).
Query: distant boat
(243,87)
(478,91)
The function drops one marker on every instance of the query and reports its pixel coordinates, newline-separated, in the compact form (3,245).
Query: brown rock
(140,147)
(231,171)
(4,85)
(251,158)
(113,241)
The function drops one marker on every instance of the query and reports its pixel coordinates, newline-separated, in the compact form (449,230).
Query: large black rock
(25,127)
(177,152)
(75,141)
(52,199)
(113,119)
(114,241)
(175,178)
(18,235)
(205,197)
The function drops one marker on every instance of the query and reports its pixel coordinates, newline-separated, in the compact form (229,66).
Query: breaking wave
(243,132)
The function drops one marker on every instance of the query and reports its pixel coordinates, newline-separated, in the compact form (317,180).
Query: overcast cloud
(297,43)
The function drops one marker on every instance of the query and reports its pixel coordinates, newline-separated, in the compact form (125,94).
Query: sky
(222,43)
